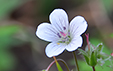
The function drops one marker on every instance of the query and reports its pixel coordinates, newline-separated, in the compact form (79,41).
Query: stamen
(64,28)
(58,35)
(68,33)
(58,43)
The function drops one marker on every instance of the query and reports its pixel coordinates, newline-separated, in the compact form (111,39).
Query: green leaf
(58,66)
(85,55)
(93,59)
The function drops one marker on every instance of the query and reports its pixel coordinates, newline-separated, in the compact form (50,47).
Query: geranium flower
(61,34)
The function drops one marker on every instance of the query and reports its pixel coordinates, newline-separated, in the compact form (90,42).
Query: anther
(58,43)
(64,28)
(58,35)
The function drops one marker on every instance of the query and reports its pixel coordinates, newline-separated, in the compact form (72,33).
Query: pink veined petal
(74,44)
(53,49)
(78,26)
(59,20)
(45,31)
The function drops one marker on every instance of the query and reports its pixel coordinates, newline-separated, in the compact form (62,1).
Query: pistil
(63,34)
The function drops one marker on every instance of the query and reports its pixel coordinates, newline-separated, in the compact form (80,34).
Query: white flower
(60,33)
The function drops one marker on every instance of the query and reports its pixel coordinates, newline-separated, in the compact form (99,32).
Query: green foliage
(7,59)
(85,55)
(48,6)
(6,6)
(111,35)
(85,67)
(95,55)
(99,57)
(108,5)
(6,35)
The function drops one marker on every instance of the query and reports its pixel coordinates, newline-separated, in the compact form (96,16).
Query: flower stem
(54,58)
(76,63)
(58,65)
(93,68)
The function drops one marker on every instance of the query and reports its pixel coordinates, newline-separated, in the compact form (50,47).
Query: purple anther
(64,28)
(58,35)
(65,37)
(68,33)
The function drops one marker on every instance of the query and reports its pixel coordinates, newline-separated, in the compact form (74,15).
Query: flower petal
(74,44)
(54,49)
(78,26)
(46,32)
(59,20)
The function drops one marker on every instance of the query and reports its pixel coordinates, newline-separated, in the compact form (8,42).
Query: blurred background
(22,50)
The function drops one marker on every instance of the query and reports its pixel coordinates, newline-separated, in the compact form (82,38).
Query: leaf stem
(93,68)
(76,63)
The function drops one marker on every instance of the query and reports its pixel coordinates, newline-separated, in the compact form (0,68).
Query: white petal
(74,44)
(46,32)
(53,49)
(59,20)
(78,26)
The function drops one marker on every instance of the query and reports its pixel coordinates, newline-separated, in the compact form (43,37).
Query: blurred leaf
(8,30)
(108,5)
(6,35)
(48,6)
(6,6)
(7,61)
(111,35)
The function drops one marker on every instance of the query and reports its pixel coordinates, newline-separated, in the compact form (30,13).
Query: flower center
(64,37)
